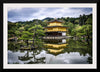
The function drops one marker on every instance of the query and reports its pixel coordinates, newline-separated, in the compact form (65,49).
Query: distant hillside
(47,19)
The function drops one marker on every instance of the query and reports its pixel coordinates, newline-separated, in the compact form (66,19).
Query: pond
(65,51)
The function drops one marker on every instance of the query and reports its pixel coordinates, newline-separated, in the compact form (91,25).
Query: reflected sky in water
(65,58)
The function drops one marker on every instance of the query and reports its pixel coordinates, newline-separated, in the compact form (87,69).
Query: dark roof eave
(55,26)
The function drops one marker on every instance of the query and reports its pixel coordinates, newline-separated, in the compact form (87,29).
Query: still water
(66,51)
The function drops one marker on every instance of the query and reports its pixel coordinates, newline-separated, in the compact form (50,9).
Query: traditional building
(55,39)
(55,30)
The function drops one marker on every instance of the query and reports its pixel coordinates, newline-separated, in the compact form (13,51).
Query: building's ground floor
(55,33)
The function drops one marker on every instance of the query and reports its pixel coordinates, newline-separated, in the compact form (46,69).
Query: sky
(28,14)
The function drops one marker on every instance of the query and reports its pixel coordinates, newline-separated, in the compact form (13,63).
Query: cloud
(21,14)
(26,14)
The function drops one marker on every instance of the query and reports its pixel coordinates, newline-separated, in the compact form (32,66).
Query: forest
(80,28)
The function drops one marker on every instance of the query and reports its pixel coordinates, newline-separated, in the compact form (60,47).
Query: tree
(75,30)
(38,33)
(82,19)
(11,29)
(85,31)
(18,25)
(26,36)
(26,27)
(89,21)
(70,27)
(19,31)
(76,21)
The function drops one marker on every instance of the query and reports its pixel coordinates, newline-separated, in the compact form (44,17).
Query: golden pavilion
(55,30)
(55,39)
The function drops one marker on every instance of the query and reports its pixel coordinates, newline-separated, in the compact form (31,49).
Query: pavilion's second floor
(55,29)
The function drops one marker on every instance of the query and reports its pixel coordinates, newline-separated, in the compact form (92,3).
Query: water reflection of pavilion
(55,46)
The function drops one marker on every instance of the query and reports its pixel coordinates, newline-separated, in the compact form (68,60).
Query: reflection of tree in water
(13,46)
(37,60)
(81,47)
(33,59)
(89,60)
(25,57)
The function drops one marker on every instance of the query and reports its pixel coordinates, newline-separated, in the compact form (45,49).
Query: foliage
(89,21)
(11,29)
(38,33)
(85,30)
(26,35)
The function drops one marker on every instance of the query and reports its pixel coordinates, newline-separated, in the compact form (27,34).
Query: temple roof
(55,20)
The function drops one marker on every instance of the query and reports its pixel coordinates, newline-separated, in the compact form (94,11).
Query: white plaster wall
(63,33)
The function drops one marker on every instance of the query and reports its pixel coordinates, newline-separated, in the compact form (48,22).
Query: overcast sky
(27,14)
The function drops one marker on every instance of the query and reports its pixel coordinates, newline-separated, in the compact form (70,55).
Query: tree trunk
(27,42)
(88,39)
(33,41)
